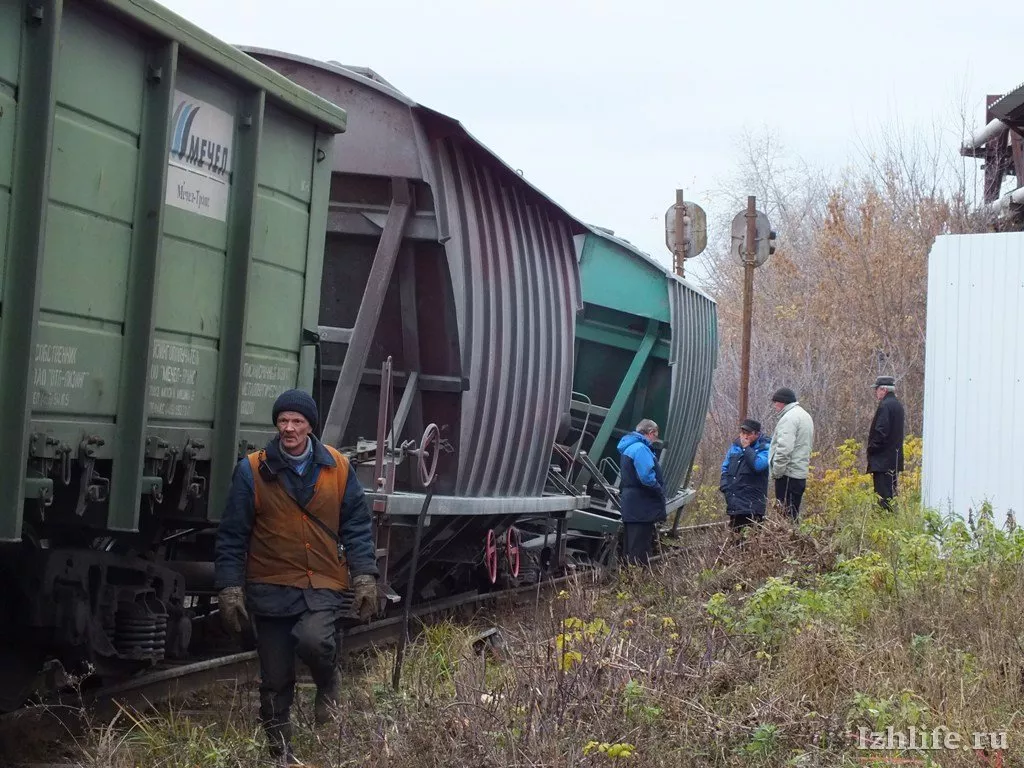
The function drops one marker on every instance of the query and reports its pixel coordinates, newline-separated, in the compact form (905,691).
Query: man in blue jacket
(744,480)
(641,491)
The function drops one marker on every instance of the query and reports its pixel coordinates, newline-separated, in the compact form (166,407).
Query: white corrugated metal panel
(974,374)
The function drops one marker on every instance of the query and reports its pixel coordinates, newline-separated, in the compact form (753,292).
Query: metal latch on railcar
(193,486)
(40,489)
(157,455)
(53,457)
(91,486)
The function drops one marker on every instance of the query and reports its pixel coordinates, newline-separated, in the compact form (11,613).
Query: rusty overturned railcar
(444,261)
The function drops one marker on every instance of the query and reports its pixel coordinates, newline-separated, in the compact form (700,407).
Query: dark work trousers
(789,492)
(638,544)
(885,488)
(314,636)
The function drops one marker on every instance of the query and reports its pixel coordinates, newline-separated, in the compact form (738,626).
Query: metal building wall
(518,297)
(693,359)
(974,373)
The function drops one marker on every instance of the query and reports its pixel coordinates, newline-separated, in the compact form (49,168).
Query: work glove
(231,602)
(364,601)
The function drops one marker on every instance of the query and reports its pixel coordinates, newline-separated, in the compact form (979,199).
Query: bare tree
(844,297)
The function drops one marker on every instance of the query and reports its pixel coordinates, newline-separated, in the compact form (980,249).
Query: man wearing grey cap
(885,441)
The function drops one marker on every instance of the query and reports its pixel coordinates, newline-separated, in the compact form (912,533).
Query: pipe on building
(1002,205)
(990,131)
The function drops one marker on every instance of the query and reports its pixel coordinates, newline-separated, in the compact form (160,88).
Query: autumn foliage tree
(841,301)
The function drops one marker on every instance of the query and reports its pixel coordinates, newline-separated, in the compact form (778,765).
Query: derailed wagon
(162,211)
(646,347)
(187,241)
(442,258)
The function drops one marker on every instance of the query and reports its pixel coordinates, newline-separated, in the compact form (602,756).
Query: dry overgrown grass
(767,653)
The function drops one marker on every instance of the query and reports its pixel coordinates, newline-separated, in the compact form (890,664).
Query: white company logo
(199,159)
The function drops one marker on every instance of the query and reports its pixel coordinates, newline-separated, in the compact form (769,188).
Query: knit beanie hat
(298,401)
(784,395)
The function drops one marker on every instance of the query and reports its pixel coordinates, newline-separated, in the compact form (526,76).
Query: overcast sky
(609,107)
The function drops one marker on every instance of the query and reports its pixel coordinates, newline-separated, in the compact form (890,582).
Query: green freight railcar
(163,204)
(646,347)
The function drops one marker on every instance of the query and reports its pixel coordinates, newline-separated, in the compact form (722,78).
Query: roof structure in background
(1010,108)
(1000,143)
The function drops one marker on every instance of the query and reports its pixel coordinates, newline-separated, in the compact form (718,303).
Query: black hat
(885,381)
(750,425)
(298,401)
(784,395)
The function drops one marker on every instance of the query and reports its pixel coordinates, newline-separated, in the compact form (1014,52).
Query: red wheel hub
(512,541)
(491,556)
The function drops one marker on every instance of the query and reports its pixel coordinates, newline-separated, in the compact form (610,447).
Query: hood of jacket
(631,439)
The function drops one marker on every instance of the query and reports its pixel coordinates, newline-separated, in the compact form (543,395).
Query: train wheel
(512,542)
(491,556)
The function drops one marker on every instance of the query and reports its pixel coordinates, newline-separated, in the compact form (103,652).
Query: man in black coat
(885,441)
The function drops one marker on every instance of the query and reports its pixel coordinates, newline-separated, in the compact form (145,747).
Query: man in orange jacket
(293,508)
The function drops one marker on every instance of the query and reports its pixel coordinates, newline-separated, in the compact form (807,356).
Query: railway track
(175,680)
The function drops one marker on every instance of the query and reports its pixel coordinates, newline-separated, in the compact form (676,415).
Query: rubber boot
(279,741)
(327,697)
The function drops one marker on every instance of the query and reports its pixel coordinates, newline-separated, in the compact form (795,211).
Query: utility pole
(678,253)
(753,241)
(748,300)
(686,232)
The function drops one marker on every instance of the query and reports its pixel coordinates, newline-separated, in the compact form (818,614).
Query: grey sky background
(608,108)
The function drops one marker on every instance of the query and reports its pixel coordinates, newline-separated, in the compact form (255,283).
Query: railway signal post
(686,231)
(753,241)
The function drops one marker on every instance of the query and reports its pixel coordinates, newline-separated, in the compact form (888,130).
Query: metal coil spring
(141,636)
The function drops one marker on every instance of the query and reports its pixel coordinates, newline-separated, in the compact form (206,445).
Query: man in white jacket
(790,455)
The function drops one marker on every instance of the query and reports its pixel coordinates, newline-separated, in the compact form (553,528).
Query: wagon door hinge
(91,486)
(193,486)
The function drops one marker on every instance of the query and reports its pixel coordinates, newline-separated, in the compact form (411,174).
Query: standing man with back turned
(289,507)
(789,458)
(885,441)
(641,491)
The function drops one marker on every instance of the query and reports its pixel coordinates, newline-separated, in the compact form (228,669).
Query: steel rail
(149,688)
